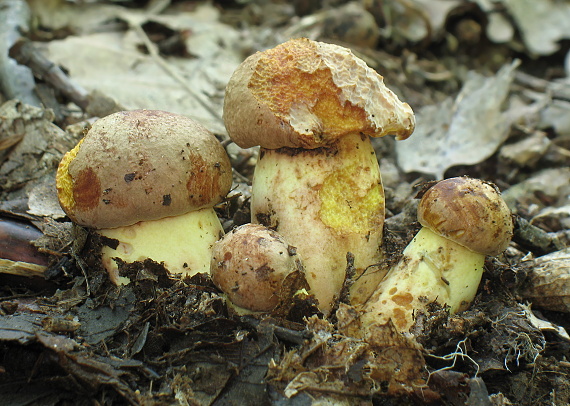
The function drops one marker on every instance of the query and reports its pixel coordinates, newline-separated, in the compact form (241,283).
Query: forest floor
(489,83)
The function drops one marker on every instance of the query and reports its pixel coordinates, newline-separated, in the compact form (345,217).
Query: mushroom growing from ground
(463,220)
(147,180)
(250,265)
(312,107)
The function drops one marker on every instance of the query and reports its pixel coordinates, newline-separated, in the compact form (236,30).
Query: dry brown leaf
(464,130)
(549,281)
(334,364)
(115,64)
(542,23)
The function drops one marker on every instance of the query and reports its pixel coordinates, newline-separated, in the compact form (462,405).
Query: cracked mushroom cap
(308,94)
(468,211)
(142,165)
(250,265)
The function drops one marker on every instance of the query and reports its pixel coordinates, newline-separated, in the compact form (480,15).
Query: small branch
(153,52)
(21,268)
(533,238)
(26,53)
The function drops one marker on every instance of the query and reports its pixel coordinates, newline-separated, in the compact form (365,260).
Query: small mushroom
(463,220)
(147,180)
(312,107)
(250,265)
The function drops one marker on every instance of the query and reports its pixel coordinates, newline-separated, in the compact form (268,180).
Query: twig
(558,90)
(533,238)
(18,268)
(26,53)
(153,52)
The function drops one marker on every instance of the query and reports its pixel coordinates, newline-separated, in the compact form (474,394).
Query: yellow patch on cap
(294,83)
(64,181)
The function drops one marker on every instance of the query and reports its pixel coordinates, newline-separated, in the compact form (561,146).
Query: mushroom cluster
(312,108)
(147,180)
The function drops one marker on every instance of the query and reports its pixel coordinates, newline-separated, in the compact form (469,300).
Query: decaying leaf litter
(489,84)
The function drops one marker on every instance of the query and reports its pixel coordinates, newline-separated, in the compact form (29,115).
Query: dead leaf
(542,24)
(335,365)
(548,286)
(116,64)
(37,154)
(465,130)
(21,328)
(548,183)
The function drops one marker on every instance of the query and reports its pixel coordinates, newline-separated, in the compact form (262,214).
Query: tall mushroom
(148,181)
(463,220)
(312,107)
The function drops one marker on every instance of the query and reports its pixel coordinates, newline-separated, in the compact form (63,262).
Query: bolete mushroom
(312,107)
(463,220)
(250,265)
(147,180)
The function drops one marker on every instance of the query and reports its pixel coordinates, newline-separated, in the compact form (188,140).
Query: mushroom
(250,265)
(312,107)
(463,220)
(147,180)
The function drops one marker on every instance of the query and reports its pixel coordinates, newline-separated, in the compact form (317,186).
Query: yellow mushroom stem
(183,243)
(327,202)
(432,269)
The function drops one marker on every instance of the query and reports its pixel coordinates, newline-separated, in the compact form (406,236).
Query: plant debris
(490,83)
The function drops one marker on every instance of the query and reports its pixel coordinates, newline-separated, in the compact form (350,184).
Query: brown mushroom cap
(250,264)
(142,165)
(307,94)
(469,212)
